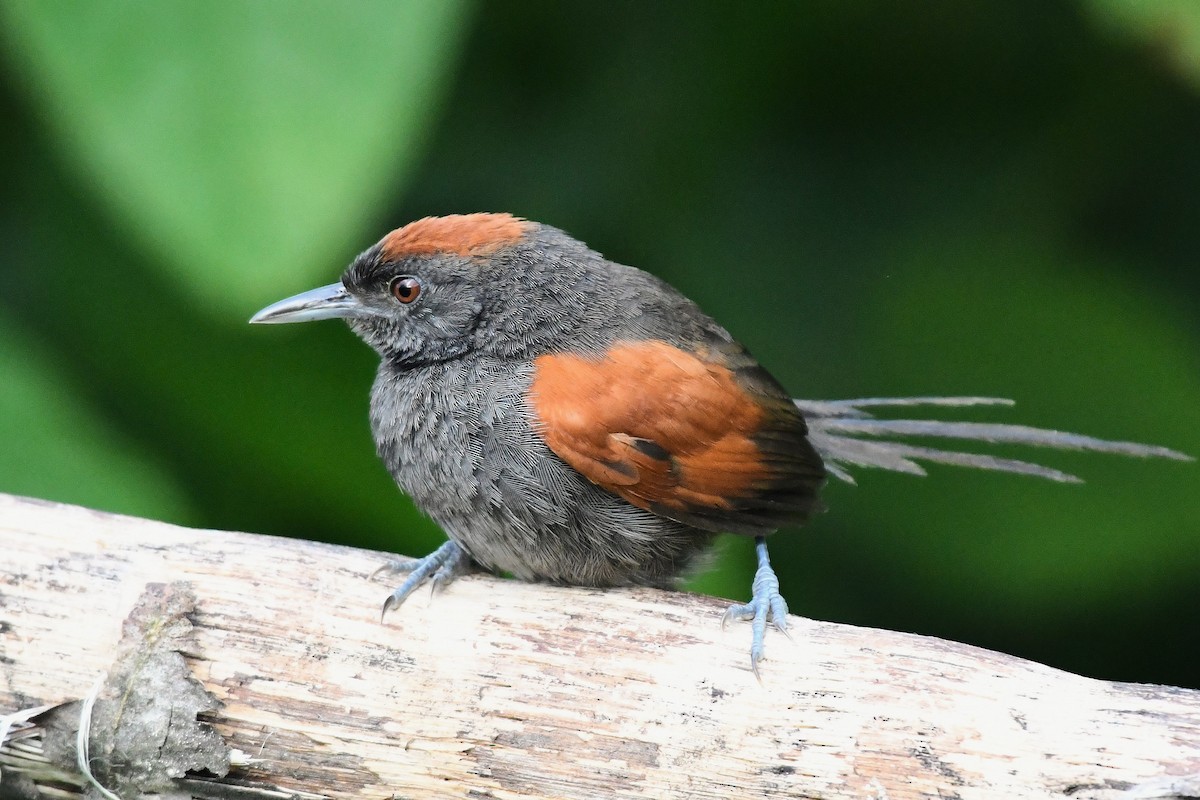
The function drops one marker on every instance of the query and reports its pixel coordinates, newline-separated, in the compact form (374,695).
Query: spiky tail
(846,435)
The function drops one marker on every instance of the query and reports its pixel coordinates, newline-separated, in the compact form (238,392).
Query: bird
(568,419)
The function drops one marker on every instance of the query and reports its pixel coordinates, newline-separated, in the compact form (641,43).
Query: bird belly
(467,454)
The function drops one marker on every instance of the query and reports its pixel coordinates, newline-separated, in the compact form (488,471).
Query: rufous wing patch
(461,234)
(676,432)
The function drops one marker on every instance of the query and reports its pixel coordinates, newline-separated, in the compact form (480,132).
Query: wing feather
(701,437)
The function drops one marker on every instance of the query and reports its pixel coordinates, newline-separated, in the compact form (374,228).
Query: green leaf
(57,447)
(247,144)
(1171,25)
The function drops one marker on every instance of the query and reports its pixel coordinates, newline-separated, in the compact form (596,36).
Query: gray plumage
(497,490)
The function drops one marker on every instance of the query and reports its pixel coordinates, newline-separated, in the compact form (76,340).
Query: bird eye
(405,289)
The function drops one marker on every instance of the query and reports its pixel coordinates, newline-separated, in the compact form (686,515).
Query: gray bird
(565,418)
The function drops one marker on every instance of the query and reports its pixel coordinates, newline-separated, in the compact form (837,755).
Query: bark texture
(251,666)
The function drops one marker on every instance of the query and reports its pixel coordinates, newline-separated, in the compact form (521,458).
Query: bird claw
(401,565)
(766,605)
(440,567)
(444,576)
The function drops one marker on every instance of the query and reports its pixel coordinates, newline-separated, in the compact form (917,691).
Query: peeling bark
(241,666)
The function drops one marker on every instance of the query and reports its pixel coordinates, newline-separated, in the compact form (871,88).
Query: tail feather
(835,427)
(854,408)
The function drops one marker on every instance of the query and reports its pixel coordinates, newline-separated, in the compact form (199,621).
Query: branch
(502,689)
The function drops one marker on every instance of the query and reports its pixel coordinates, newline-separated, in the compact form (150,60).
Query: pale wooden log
(501,689)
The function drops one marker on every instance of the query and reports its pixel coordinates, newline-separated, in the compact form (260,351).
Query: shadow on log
(236,665)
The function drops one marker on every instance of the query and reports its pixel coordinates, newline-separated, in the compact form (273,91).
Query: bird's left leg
(442,565)
(766,603)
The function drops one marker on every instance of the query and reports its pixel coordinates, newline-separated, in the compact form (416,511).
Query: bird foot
(400,566)
(440,567)
(766,604)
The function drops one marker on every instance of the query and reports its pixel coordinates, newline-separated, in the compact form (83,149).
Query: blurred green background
(878,199)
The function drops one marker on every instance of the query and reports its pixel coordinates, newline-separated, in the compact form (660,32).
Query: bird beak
(328,302)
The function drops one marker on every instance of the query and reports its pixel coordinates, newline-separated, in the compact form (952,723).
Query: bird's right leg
(442,566)
(766,605)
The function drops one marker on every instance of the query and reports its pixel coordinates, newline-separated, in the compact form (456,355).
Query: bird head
(431,290)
